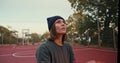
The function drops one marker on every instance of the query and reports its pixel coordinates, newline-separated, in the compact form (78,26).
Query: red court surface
(26,54)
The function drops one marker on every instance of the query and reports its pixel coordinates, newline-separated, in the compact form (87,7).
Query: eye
(58,21)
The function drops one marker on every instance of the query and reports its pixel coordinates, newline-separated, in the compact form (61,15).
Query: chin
(63,33)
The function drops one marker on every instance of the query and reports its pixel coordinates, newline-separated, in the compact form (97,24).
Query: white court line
(91,61)
(23,52)
(14,54)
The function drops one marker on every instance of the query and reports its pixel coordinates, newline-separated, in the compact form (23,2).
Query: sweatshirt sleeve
(42,55)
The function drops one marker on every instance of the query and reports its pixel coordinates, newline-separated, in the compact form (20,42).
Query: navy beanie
(51,20)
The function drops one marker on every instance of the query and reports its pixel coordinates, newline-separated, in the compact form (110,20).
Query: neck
(58,41)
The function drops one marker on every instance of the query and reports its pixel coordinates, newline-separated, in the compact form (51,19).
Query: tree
(105,10)
(98,12)
(45,36)
(35,38)
(7,36)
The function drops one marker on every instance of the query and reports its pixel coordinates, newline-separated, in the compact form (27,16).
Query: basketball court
(26,54)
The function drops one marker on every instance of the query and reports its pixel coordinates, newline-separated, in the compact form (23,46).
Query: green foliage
(91,14)
(45,36)
(106,10)
(107,37)
(6,36)
(35,38)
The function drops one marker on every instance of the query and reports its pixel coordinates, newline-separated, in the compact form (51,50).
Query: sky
(31,14)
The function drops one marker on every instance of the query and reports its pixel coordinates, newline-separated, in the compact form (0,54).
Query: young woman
(55,49)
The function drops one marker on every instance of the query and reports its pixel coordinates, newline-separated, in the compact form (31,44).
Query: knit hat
(51,20)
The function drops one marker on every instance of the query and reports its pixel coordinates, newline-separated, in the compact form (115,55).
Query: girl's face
(60,26)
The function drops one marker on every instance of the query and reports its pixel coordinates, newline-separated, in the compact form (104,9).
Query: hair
(53,35)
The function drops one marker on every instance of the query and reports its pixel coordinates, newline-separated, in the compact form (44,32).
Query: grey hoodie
(50,52)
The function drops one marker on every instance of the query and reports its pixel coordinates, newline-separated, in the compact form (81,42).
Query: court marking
(25,54)
(95,61)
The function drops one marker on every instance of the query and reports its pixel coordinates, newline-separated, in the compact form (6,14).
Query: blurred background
(89,23)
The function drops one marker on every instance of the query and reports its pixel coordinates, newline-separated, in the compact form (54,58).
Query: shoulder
(42,51)
(42,46)
(45,45)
